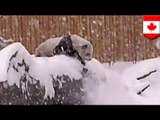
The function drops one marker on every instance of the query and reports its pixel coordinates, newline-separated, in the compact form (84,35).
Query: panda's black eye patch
(84,46)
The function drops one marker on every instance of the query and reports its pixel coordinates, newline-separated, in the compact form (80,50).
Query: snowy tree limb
(146,75)
(140,92)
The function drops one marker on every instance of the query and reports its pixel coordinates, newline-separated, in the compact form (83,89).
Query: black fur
(65,47)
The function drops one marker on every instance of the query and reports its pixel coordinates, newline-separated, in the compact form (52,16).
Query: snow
(118,66)
(128,74)
(39,68)
(5,56)
(103,84)
(64,19)
(94,22)
(95,77)
(83,28)
(109,86)
(112,92)
(142,67)
(108,89)
(61,66)
(100,23)
(57,66)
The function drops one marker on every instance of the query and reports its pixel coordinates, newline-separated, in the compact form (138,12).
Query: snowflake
(64,19)
(94,22)
(100,23)
(97,35)
(83,28)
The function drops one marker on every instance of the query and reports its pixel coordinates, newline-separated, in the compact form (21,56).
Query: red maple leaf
(151,26)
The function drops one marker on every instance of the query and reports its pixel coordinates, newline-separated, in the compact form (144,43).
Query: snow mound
(133,79)
(142,67)
(146,72)
(18,65)
(63,78)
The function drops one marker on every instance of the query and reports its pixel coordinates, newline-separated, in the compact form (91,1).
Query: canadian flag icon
(151,26)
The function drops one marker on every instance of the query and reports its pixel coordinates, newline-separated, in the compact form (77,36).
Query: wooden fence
(114,37)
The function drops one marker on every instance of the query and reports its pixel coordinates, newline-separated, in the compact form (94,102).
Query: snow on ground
(152,94)
(112,91)
(118,66)
(128,74)
(117,84)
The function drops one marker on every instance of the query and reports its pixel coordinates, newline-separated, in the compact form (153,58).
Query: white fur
(78,42)
(46,48)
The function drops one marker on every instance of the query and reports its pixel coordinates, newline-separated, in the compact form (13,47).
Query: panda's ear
(84,46)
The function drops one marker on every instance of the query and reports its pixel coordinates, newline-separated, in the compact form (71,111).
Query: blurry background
(114,38)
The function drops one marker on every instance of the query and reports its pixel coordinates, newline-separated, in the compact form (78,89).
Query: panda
(4,43)
(81,45)
(46,48)
(65,47)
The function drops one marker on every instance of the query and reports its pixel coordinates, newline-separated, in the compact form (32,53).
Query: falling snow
(83,28)
(92,31)
(64,19)
(94,22)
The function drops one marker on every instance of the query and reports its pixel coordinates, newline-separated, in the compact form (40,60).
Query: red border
(152,36)
(151,18)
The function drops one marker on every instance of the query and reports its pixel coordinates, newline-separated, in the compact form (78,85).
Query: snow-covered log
(26,79)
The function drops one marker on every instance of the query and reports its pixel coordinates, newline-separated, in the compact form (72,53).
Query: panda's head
(83,46)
